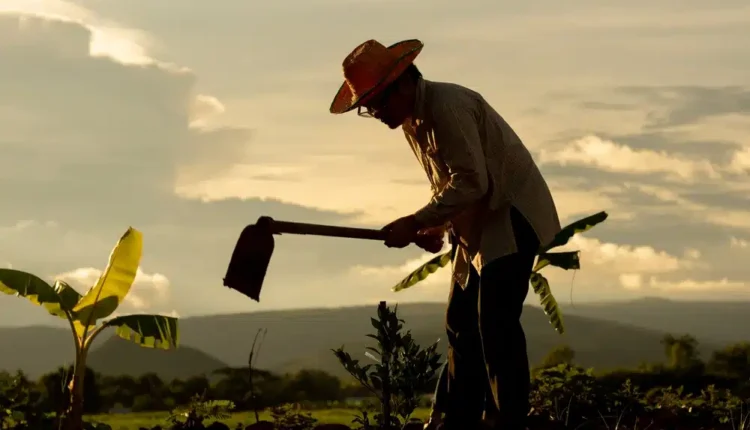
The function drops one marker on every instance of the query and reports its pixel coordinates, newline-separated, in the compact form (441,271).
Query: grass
(134,421)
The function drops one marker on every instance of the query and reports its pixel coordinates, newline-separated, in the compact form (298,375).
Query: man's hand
(401,232)
(431,239)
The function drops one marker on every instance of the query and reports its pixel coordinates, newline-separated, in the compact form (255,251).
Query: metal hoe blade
(250,259)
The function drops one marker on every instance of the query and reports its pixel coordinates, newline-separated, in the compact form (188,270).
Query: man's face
(390,106)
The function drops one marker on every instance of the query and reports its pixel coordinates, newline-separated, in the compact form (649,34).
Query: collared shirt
(478,168)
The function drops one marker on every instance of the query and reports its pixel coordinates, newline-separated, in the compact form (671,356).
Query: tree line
(727,368)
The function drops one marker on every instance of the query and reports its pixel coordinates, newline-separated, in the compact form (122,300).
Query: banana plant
(568,260)
(83,312)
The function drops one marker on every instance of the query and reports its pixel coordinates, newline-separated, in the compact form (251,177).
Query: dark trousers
(488,367)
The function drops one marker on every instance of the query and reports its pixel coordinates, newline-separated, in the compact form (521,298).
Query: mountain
(304,338)
(605,335)
(117,356)
(723,322)
(38,350)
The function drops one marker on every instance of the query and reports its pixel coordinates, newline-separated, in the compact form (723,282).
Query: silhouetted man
(491,198)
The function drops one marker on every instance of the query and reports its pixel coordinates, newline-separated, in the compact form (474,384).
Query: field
(134,421)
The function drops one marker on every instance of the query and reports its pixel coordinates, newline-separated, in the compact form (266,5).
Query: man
(490,196)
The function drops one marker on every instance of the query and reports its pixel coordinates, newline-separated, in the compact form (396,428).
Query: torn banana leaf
(423,271)
(574,228)
(541,287)
(569,260)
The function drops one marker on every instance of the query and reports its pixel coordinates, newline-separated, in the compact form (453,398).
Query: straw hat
(369,68)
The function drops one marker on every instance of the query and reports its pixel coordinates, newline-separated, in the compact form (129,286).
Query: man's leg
(466,376)
(504,286)
(439,399)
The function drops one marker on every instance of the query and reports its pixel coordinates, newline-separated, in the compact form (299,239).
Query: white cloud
(601,261)
(741,161)
(693,285)
(688,209)
(692,254)
(150,291)
(607,155)
(25,225)
(126,45)
(618,258)
(736,242)
(637,281)
(392,274)
(205,107)
(631,281)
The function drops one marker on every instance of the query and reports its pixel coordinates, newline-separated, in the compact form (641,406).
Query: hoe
(252,253)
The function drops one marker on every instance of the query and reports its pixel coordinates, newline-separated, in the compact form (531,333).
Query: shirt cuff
(429,216)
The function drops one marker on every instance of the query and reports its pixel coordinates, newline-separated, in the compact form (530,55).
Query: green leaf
(541,287)
(150,331)
(564,260)
(69,297)
(423,271)
(115,282)
(34,289)
(572,229)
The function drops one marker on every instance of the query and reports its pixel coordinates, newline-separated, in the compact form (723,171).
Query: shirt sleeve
(458,143)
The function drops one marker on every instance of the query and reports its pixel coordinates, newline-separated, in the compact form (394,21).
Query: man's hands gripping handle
(404,231)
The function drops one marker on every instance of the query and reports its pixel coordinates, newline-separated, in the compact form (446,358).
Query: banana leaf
(115,282)
(423,271)
(541,287)
(150,331)
(564,260)
(574,228)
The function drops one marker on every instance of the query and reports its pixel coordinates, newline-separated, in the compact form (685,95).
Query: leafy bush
(402,369)
(288,417)
(199,410)
(573,397)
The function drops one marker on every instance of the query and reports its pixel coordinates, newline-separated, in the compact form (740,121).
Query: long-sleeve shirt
(478,168)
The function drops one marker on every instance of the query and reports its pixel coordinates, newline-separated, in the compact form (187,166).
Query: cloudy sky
(188,120)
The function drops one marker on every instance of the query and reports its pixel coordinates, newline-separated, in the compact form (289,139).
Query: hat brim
(406,51)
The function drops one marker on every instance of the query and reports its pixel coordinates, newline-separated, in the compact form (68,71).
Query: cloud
(690,209)
(108,39)
(608,155)
(635,281)
(114,116)
(741,161)
(618,258)
(205,107)
(24,226)
(735,242)
(600,260)
(150,292)
(396,272)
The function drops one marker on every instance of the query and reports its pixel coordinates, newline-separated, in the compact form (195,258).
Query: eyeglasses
(364,112)
(376,104)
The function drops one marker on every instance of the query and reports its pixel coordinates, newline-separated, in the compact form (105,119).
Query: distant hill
(121,357)
(304,338)
(722,322)
(606,335)
(36,350)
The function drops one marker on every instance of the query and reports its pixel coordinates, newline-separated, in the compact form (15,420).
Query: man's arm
(457,140)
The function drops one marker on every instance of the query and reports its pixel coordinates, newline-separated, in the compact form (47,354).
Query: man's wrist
(415,222)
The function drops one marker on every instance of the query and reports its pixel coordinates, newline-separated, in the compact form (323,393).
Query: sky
(188,120)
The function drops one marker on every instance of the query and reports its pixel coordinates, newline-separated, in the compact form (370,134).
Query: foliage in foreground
(683,393)
(83,311)
(402,370)
(568,260)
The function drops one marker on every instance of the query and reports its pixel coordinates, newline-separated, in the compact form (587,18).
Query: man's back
(450,119)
